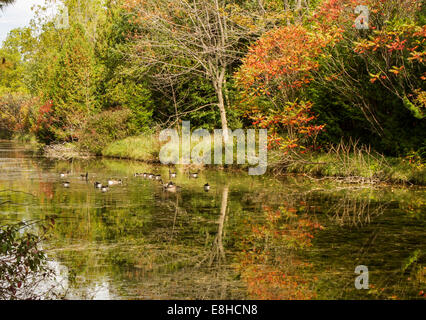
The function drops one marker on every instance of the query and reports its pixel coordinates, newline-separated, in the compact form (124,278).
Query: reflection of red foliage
(46,188)
(270,265)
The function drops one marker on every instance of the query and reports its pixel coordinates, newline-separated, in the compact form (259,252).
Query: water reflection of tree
(218,252)
(272,250)
(355,211)
(151,244)
(203,274)
(180,254)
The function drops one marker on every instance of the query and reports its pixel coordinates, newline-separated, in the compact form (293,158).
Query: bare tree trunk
(298,11)
(287,8)
(221,104)
(223,119)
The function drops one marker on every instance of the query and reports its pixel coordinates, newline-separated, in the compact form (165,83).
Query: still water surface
(247,238)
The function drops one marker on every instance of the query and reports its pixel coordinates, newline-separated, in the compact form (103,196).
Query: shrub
(14,114)
(104,128)
(23,266)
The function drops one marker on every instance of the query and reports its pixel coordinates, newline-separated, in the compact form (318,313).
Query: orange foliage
(296,118)
(281,59)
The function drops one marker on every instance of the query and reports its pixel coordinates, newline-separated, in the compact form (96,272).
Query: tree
(117,88)
(377,74)
(64,71)
(180,38)
(24,271)
(274,73)
(4,3)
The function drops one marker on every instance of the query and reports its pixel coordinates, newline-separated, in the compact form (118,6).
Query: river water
(247,238)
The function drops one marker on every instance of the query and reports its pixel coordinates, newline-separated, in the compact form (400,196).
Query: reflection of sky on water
(99,290)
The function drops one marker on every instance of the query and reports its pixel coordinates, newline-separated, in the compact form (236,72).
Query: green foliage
(57,83)
(103,128)
(116,87)
(13,55)
(15,111)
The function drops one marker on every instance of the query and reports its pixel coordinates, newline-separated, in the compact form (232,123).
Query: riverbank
(357,165)
(355,170)
(143,148)
(345,163)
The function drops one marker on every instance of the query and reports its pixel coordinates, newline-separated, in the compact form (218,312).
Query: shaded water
(247,238)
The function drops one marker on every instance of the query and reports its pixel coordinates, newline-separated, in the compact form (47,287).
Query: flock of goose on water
(170,186)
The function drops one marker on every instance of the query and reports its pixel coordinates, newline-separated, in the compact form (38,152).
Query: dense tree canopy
(302,69)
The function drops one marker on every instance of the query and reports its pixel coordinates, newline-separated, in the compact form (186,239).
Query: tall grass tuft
(355,163)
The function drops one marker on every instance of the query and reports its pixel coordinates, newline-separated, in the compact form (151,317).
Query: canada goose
(172,174)
(171,187)
(138,174)
(193,175)
(66,184)
(150,175)
(112,182)
(64,174)
(104,188)
(158,177)
(206,187)
(98,185)
(145,174)
(85,176)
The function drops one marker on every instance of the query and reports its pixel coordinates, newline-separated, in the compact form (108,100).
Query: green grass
(29,140)
(143,147)
(147,148)
(25,138)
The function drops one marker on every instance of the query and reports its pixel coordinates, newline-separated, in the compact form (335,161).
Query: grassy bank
(393,170)
(347,163)
(353,164)
(143,148)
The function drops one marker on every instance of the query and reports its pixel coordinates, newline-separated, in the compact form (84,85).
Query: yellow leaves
(420,97)
(415,55)
(396,70)
(374,77)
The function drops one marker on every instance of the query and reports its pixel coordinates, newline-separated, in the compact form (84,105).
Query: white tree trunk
(221,105)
